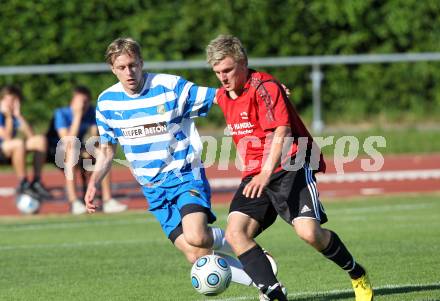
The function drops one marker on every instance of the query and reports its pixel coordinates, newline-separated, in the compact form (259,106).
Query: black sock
(36,179)
(338,253)
(257,266)
(276,293)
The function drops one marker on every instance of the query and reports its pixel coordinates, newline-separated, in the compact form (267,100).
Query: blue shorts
(170,202)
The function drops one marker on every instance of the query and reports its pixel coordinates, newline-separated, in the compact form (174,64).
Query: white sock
(219,242)
(238,274)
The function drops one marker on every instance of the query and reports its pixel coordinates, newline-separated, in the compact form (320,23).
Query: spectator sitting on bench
(78,121)
(13,149)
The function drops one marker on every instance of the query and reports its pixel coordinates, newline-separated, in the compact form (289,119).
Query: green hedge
(53,32)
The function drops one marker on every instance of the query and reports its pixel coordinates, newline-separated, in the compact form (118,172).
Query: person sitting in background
(13,149)
(78,121)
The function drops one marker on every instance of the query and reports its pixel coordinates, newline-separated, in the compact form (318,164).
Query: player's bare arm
(104,159)
(77,110)
(255,187)
(6,131)
(215,98)
(24,125)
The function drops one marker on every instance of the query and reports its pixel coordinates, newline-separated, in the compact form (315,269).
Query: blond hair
(122,46)
(224,46)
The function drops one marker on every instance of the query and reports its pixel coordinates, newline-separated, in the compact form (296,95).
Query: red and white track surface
(399,174)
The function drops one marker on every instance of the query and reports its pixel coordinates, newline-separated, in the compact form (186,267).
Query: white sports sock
(238,274)
(219,242)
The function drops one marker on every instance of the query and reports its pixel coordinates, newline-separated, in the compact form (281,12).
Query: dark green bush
(54,32)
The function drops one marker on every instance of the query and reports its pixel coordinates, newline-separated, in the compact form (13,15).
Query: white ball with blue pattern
(211,275)
(27,204)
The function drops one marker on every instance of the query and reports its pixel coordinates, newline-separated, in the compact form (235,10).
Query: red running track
(399,174)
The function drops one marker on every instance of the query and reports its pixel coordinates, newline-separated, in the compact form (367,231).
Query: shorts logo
(305,209)
(145,130)
(194,192)
(160,109)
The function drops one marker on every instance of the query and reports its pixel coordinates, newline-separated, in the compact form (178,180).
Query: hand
(6,108)
(16,109)
(256,185)
(77,107)
(88,198)
(287,90)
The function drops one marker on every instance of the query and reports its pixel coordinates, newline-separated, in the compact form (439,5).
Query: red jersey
(253,117)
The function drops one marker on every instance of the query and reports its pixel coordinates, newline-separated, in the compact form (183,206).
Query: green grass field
(126,257)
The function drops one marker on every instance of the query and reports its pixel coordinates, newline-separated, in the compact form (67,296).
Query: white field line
(81,224)
(138,221)
(348,177)
(80,244)
(72,225)
(395,175)
(382,208)
(7,191)
(335,292)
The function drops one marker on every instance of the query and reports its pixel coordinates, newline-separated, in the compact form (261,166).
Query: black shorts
(289,194)
(187,209)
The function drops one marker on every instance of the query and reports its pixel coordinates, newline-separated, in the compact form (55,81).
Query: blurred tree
(53,32)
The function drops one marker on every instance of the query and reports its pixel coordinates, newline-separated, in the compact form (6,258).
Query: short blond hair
(224,46)
(122,46)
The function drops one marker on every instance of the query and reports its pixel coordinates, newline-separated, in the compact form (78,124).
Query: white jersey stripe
(157,154)
(145,140)
(183,96)
(142,120)
(102,130)
(175,164)
(111,105)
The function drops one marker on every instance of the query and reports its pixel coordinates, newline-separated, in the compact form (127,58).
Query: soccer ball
(211,275)
(26,204)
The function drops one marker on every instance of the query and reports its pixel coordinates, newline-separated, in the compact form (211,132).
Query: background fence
(316,74)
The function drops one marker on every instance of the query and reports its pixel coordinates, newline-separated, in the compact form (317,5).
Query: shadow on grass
(382,291)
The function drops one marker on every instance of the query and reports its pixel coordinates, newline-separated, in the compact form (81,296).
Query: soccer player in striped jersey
(279,173)
(151,116)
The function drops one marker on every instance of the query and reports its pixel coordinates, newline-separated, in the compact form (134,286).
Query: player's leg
(195,212)
(331,246)
(71,167)
(191,252)
(307,224)
(247,218)
(38,145)
(16,151)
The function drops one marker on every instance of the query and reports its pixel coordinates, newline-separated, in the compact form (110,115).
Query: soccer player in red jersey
(280,161)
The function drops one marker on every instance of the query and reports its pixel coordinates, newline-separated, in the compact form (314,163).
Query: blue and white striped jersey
(155,127)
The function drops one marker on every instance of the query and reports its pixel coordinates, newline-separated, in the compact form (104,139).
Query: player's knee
(194,254)
(235,237)
(197,239)
(309,235)
(18,145)
(41,142)
(191,257)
